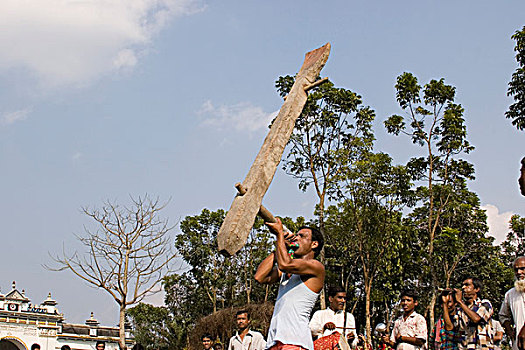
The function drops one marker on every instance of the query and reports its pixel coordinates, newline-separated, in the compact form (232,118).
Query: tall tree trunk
(368,326)
(322,296)
(121,326)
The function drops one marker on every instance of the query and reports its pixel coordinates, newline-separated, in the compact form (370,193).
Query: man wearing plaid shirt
(474,315)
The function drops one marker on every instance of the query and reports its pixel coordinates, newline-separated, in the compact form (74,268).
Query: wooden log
(240,218)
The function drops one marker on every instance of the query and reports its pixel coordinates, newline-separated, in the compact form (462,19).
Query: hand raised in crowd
(458,295)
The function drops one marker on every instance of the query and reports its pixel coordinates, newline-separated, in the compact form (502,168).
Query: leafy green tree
(154,327)
(331,133)
(434,122)
(516,89)
(514,244)
(368,224)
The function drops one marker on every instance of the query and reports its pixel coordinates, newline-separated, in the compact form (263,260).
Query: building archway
(12,343)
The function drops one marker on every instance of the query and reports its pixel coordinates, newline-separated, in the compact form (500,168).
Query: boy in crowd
(410,329)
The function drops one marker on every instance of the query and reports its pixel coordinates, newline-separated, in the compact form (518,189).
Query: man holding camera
(473,316)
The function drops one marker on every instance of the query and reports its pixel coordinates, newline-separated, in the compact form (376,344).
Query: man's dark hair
(476,282)
(207,335)
(332,291)
(411,293)
(65,347)
(240,312)
(138,346)
(316,236)
(35,346)
(100,342)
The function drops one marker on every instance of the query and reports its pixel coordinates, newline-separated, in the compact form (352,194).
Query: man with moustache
(245,338)
(474,316)
(333,318)
(300,280)
(512,310)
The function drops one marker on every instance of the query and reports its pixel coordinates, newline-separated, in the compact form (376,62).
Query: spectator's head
(217,346)
(242,317)
(100,345)
(309,238)
(138,347)
(65,347)
(408,301)
(207,341)
(519,272)
(35,346)
(337,298)
(471,287)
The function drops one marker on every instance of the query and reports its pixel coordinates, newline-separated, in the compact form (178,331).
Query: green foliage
(154,327)
(330,133)
(514,244)
(516,88)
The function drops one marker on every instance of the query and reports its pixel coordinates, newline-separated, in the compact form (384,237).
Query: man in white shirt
(325,322)
(512,310)
(245,338)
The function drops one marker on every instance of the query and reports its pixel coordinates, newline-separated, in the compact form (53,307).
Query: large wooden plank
(240,218)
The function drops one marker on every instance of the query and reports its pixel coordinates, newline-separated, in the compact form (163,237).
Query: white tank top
(291,314)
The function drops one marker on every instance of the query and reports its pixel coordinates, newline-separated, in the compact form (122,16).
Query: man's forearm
(265,269)
(446,317)
(411,340)
(281,254)
(474,317)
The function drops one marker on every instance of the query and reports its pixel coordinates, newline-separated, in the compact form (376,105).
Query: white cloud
(64,42)
(498,222)
(241,116)
(16,116)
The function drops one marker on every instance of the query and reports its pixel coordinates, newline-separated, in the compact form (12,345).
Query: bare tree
(127,255)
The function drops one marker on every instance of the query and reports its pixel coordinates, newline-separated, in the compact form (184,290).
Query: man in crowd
(245,338)
(474,316)
(333,318)
(301,279)
(207,341)
(512,312)
(410,329)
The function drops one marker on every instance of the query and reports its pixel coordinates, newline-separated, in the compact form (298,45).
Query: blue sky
(105,99)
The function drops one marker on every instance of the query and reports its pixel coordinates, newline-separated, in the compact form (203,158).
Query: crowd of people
(467,320)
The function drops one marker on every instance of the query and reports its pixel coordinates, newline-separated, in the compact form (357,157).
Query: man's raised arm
(267,271)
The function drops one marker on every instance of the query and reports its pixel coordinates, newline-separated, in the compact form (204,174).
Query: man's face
(469,291)
(408,304)
(242,321)
(337,302)
(304,239)
(519,269)
(101,346)
(207,343)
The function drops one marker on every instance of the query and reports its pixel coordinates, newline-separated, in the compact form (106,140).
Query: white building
(23,324)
